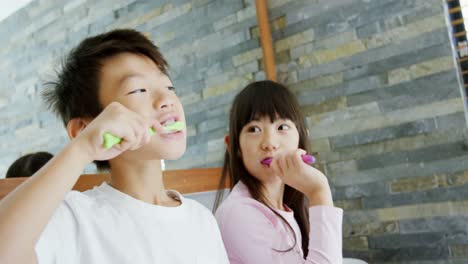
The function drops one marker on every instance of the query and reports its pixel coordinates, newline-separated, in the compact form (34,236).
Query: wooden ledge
(184,181)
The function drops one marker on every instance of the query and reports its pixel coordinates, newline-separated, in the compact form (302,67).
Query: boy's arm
(25,212)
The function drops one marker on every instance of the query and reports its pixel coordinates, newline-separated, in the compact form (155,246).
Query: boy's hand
(294,172)
(121,122)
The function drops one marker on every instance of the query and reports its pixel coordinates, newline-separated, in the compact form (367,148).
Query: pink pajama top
(253,234)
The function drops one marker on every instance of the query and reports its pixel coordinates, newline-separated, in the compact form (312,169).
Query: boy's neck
(142,180)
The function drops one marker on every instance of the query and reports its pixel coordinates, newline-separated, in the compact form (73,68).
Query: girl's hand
(294,172)
(121,122)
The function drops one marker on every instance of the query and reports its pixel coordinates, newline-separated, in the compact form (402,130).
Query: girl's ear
(226,140)
(75,126)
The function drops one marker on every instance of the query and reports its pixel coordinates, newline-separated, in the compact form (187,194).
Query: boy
(115,82)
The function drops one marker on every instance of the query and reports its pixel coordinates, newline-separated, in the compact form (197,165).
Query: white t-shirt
(104,225)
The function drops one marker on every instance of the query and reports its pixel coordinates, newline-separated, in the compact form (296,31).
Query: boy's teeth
(168,122)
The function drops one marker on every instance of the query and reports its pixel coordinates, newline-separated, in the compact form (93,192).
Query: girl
(266,218)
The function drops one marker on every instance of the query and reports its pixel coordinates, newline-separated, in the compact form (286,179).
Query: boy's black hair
(74,94)
(27,165)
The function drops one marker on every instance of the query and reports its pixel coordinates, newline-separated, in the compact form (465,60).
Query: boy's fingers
(128,140)
(123,146)
(157,127)
(147,138)
(145,130)
(141,137)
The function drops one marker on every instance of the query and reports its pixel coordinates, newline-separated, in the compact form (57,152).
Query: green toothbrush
(110,140)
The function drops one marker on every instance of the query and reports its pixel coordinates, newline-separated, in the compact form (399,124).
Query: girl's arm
(325,236)
(250,235)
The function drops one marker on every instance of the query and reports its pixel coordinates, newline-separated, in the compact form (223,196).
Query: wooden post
(265,40)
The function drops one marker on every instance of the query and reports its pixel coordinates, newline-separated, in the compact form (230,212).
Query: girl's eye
(138,91)
(284,127)
(171,88)
(253,129)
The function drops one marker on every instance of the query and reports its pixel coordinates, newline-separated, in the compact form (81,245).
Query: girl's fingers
(288,162)
(298,157)
(300,152)
(276,166)
(283,166)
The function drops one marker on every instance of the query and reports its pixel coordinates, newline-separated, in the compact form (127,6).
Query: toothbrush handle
(111,140)
(309,159)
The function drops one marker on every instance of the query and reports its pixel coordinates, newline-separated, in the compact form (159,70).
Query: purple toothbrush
(309,159)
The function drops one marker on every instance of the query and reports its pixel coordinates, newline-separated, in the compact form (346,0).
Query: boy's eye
(171,88)
(284,127)
(138,91)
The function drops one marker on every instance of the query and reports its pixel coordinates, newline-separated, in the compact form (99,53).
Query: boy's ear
(75,126)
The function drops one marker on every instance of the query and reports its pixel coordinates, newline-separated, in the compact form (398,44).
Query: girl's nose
(269,142)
